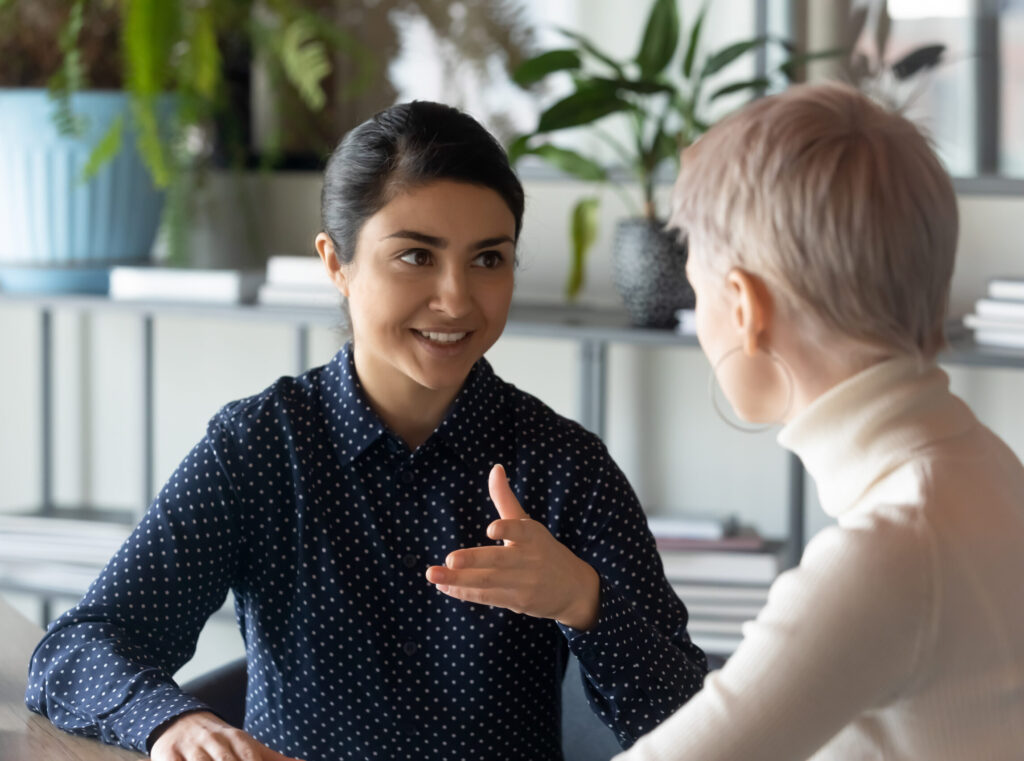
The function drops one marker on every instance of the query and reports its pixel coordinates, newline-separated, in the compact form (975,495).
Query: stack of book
(59,556)
(721,571)
(184,284)
(298,281)
(998,319)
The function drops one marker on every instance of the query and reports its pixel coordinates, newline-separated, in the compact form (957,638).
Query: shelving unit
(594,330)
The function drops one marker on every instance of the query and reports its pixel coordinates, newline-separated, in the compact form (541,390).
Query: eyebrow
(436,242)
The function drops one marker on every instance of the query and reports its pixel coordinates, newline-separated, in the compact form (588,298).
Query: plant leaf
(105,150)
(204,60)
(152,148)
(305,62)
(641,86)
(691,49)
(518,148)
(925,57)
(883,24)
(570,162)
(582,233)
(70,77)
(589,47)
(148,35)
(586,105)
(535,69)
(661,36)
(789,67)
(758,83)
(727,55)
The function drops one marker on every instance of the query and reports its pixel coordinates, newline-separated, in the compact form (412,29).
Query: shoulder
(540,431)
(879,560)
(273,411)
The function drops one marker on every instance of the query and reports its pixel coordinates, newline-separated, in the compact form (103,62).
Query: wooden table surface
(25,736)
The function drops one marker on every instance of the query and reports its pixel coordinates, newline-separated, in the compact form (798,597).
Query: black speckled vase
(648,264)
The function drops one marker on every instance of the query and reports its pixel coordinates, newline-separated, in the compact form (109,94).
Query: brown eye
(488,259)
(417,257)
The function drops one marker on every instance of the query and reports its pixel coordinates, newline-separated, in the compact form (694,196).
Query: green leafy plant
(153,49)
(665,106)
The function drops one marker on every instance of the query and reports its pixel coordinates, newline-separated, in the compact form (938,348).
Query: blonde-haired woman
(822,232)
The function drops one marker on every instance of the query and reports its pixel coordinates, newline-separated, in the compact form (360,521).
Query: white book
(716,643)
(686,322)
(719,627)
(727,611)
(722,566)
(274,294)
(690,527)
(1011,288)
(736,594)
(296,270)
(208,286)
(995,309)
(977,322)
(1013,339)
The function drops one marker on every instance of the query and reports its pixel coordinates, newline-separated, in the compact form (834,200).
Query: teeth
(443,338)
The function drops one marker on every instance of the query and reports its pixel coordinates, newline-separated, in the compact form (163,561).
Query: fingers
(513,529)
(502,496)
(470,578)
(479,557)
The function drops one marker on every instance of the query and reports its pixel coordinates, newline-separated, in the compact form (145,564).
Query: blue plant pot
(57,232)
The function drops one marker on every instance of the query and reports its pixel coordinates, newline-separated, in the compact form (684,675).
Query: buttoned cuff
(610,647)
(132,726)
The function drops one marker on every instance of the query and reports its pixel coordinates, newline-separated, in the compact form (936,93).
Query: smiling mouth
(441,338)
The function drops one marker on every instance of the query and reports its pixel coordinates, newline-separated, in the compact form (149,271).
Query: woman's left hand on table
(531,573)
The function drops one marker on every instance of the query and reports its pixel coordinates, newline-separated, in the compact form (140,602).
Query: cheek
(495,298)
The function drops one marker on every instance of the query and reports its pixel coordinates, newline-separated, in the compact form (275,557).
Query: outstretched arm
(605,587)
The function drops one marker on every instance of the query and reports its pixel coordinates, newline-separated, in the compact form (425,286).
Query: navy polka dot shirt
(322,523)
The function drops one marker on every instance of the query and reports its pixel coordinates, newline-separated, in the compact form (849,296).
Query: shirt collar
(864,428)
(353,425)
(475,427)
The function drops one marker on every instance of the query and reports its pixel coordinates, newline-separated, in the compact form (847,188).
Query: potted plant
(107,104)
(665,106)
(894,83)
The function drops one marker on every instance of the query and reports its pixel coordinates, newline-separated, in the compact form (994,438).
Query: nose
(452,293)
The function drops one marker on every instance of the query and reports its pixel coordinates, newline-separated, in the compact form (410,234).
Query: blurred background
(244,177)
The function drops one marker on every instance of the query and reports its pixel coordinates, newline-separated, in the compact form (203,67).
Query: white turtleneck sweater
(901,633)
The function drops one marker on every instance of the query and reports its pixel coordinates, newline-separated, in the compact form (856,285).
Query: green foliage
(173,48)
(665,108)
(583,233)
(70,77)
(305,61)
(169,56)
(546,63)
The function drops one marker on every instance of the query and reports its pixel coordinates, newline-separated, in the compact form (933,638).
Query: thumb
(502,496)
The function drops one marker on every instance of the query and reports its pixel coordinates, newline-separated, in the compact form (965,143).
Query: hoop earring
(713,385)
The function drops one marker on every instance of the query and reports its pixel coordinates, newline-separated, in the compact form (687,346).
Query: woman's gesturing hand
(531,573)
(202,736)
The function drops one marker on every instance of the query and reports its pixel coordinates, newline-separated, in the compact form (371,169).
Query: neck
(818,366)
(412,411)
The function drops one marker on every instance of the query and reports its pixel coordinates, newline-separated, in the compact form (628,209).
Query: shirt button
(405,477)
(410,560)
(409,648)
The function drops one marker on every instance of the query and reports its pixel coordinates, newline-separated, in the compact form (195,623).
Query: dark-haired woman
(322,501)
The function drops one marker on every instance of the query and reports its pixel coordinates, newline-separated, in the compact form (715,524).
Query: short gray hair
(841,206)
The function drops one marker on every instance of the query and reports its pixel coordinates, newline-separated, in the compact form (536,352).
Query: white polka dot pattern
(322,522)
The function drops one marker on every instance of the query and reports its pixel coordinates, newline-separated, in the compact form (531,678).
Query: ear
(751,308)
(336,271)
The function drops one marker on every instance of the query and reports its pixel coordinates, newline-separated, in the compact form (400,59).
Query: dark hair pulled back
(403,147)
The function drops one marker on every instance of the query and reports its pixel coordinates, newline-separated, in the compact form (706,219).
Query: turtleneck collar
(859,431)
